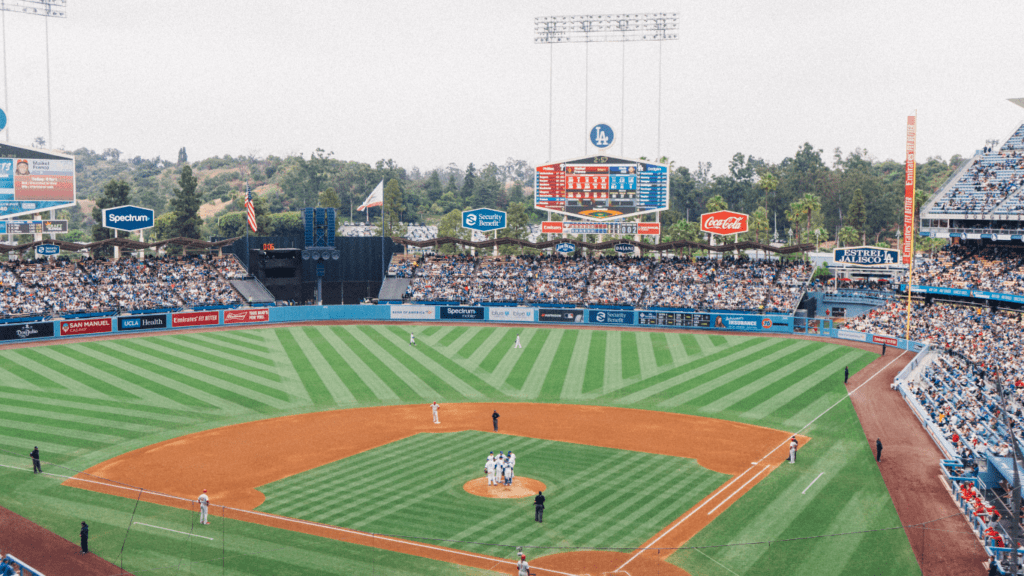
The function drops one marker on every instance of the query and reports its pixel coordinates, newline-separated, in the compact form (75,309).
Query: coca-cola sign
(723,222)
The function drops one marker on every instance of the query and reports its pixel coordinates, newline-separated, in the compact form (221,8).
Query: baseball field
(660,451)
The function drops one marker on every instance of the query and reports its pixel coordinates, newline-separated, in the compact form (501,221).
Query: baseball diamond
(598,416)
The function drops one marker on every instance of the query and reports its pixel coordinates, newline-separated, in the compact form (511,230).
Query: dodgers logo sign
(602,136)
(128,218)
(483,219)
(565,247)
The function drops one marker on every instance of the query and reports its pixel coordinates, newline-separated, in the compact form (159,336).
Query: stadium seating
(990,184)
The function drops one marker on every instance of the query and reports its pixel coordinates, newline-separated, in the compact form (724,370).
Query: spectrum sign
(128,218)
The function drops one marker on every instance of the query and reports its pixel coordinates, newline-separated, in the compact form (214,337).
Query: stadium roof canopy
(124,243)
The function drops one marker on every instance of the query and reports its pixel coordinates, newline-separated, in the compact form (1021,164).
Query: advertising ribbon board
(851,335)
(560,315)
(510,314)
(245,316)
(908,190)
(611,316)
(189,319)
(412,313)
(29,331)
(462,313)
(86,326)
(149,322)
(887,340)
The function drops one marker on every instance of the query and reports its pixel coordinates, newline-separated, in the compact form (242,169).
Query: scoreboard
(681,319)
(600,187)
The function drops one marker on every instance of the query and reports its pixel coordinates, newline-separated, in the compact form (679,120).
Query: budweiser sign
(249,315)
(723,222)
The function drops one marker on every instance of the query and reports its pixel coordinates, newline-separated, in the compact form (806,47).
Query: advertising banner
(723,222)
(560,315)
(887,340)
(29,331)
(565,247)
(550,227)
(648,228)
(33,180)
(866,256)
(483,219)
(128,218)
(86,326)
(612,316)
(510,314)
(245,316)
(413,313)
(151,322)
(462,312)
(851,335)
(33,226)
(189,319)
(908,190)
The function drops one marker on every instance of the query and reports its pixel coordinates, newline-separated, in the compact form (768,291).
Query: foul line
(300,522)
(170,530)
(784,442)
(752,478)
(812,483)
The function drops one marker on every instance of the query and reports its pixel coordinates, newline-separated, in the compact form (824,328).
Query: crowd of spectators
(229,267)
(55,288)
(704,284)
(991,268)
(991,178)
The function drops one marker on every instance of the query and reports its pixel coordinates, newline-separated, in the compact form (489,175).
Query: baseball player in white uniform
(518,343)
(204,505)
(523,566)
(507,469)
(489,469)
(433,408)
(512,462)
(412,339)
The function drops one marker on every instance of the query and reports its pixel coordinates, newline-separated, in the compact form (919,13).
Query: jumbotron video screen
(600,188)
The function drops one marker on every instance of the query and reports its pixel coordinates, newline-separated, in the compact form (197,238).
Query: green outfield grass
(597,497)
(84,403)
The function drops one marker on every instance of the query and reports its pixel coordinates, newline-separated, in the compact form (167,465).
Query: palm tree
(810,204)
(759,222)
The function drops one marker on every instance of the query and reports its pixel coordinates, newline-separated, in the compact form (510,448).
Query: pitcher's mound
(520,488)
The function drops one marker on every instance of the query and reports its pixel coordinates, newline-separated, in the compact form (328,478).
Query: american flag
(250,210)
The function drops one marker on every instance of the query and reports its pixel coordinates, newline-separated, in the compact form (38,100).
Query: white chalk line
(812,483)
(172,530)
(738,490)
(702,504)
(304,522)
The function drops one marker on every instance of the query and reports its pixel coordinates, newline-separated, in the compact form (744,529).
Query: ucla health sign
(483,219)
(866,256)
(129,218)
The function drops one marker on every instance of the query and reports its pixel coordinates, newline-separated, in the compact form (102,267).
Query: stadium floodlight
(48,9)
(587,28)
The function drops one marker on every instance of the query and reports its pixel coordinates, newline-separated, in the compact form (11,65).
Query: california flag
(376,198)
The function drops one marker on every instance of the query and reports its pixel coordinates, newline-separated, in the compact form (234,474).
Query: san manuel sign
(866,256)
(128,218)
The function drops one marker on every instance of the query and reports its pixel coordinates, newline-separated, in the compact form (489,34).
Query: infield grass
(83,403)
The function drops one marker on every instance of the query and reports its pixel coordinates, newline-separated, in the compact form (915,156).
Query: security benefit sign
(150,322)
(483,219)
(611,316)
(866,256)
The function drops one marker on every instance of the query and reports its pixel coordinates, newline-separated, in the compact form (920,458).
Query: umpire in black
(538,506)
(84,533)
(35,460)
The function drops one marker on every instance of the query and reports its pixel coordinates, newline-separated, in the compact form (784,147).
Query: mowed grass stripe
(823,363)
(141,380)
(167,370)
(224,360)
(33,436)
(242,353)
(205,366)
(452,336)
(52,358)
(527,358)
(107,429)
(643,385)
(26,373)
(810,395)
(739,363)
(458,370)
(551,389)
(764,370)
(308,338)
(318,394)
(496,351)
(630,356)
(119,416)
(351,380)
(690,345)
(593,380)
(431,378)
(7,392)
(468,342)
(378,366)
(662,354)
(717,340)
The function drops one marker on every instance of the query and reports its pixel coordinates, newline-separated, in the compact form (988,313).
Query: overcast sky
(428,83)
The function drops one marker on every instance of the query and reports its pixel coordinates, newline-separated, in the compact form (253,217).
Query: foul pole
(908,210)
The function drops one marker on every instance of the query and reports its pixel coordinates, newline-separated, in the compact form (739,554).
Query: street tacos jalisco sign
(723,222)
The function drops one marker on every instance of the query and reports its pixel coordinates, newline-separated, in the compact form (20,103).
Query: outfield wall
(540,315)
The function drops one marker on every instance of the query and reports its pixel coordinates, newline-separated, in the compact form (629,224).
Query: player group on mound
(500,469)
